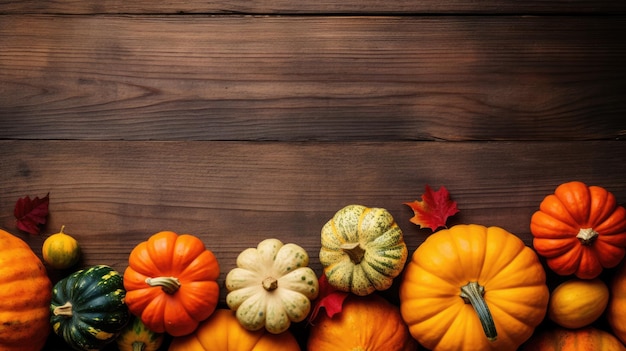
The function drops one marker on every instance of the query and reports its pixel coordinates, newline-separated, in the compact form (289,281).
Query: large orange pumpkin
(223,332)
(580,230)
(25,294)
(473,288)
(171,282)
(365,323)
(583,339)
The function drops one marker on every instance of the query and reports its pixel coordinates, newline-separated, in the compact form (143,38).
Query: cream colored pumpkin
(271,286)
(362,250)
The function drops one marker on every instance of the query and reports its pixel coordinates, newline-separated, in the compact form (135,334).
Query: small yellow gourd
(271,286)
(60,250)
(577,303)
(137,337)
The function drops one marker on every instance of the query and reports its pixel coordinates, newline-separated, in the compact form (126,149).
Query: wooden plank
(312,78)
(307,7)
(113,195)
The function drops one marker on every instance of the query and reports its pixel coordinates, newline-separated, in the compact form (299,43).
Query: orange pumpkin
(473,288)
(580,230)
(171,282)
(25,292)
(616,310)
(365,323)
(561,339)
(223,332)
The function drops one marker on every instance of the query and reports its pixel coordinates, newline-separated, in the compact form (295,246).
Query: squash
(582,339)
(364,323)
(580,230)
(223,332)
(362,250)
(25,292)
(473,287)
(87,308)
(271,286)
(171,282)
(616,310)
(577,303)
(137,337)
(60,250)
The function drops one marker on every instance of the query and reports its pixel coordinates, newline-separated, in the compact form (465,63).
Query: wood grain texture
(315,7)
(297,78)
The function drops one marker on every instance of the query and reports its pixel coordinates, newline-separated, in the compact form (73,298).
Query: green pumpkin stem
(169,284)
(65,310)
(355,251)
(138,346)
(472,293)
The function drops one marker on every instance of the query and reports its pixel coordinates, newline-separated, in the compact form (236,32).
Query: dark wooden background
(241,120)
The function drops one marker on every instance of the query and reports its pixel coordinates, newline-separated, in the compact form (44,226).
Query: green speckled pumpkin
(87,308)
(363,250)
(137,337)
(271,286)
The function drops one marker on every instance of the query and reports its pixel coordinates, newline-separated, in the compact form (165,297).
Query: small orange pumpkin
(583,339)
(580,230)
(25,294)
(365,323)
(223,332)
(171,283)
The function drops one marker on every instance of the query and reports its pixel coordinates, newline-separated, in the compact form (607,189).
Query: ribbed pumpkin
(223,332)
(580,230)
(87,307)
(271,286)
(25,292)
(473,288)
(362,249)
(171,282)
(364,323)
(616,310)
(583,339)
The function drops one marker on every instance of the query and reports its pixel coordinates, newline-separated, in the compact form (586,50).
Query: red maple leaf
(329,298)
(30,214)
(434,209)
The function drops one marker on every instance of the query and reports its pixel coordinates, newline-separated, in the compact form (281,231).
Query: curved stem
(355,251)
(270,283)
(169,284)
(473,293)
(587,236)
(65,310)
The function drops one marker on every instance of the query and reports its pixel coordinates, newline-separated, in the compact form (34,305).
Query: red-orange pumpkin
(171,283)
(580,230)
(25,294)
(585,339)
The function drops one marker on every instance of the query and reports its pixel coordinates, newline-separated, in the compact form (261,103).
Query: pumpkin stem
(169,284)
(138,346)
(587,236)
(65,310)
(270,283)
(355,251)
(473,293)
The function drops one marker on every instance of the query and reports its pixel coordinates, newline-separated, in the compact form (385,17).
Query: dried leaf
(329,298)
(434,209)
(31,214)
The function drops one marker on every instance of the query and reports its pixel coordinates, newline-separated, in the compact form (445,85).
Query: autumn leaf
(434,209)
(31,214)
(329,298)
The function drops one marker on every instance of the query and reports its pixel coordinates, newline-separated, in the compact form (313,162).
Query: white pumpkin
(271,286)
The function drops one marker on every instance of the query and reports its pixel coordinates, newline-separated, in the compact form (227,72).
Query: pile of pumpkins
(467,287)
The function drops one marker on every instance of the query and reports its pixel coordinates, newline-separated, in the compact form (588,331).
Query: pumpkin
(616,310)
(362,250)
(223,332)
(87,308)
(25,292)
(580,230)
(577,303)
(60,250)
(271,286)
(171,282)
(582,339)
(364,323)
(473,287)
(137,337)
